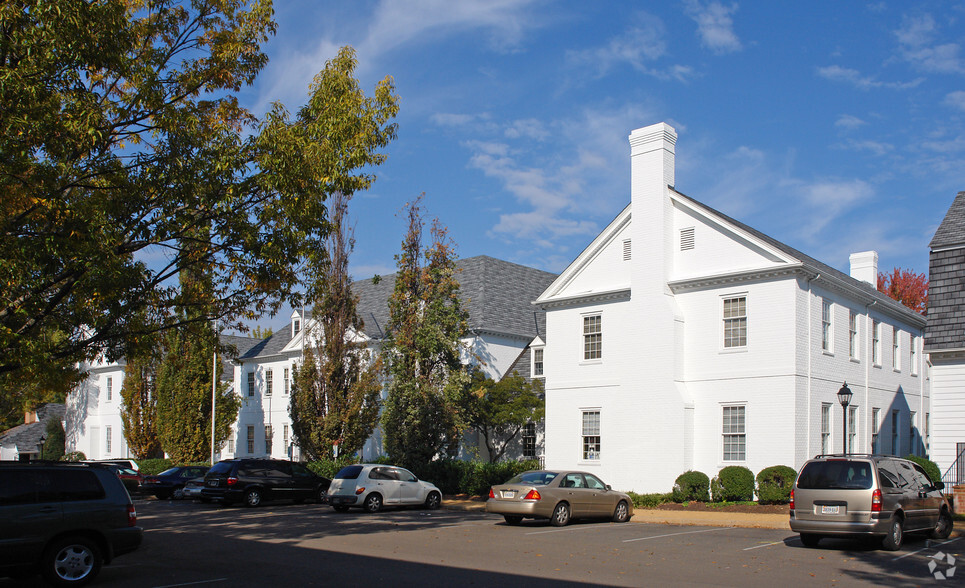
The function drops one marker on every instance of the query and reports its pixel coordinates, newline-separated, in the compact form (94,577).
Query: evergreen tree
(335,393)
(139,413)
(55,440)
(498,411)
(422,353)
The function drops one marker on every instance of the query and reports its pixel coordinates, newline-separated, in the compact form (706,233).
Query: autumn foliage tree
(421,419)
(139,411)
(121,131)
(906,287)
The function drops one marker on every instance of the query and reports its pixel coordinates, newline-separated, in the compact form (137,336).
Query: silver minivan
(867,495)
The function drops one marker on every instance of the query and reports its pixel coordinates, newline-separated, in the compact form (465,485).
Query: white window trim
(914,354)
(722,322)
(875,343)
(827,343)
(830,432)
(583,360)
(581,460)
(854,338)
(896,348)
(532,362)
(721,462)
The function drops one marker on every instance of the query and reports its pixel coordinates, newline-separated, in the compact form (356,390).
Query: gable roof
(26,437)
(495,293)
(952,230)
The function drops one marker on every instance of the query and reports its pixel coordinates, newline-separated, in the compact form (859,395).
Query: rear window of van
(837,474)
(349,473)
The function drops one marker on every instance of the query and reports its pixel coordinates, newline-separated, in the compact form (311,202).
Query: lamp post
(844,397)
(43,439)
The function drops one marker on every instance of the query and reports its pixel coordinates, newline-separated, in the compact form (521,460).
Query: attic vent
(626,249)
(686,239)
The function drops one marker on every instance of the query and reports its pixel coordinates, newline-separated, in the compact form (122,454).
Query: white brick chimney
(651,171)
(864,267)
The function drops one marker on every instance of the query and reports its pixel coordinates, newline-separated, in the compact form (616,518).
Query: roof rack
(851,455)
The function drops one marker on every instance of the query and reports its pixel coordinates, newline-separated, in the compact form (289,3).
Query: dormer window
(296,326)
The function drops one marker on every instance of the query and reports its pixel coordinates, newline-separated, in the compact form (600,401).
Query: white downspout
(807,449)
(869,353)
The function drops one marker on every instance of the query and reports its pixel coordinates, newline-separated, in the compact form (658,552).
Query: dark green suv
(65,520)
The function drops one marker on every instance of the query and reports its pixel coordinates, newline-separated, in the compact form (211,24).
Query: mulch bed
(712,507)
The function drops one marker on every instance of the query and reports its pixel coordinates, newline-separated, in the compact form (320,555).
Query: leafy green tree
(55,440)
(421,418)
(335,393)
(498,411)
(139,412)
(121,132)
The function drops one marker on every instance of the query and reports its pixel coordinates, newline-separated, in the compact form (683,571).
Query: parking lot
(191,544)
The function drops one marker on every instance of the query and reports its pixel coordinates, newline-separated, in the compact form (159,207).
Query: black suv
(65,520)
(255,480)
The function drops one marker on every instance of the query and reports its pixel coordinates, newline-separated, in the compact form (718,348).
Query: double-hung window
(852,428)
(537,363)
(251,384)
(826,428)
(895,348)
(592,337)
(894,432)
(853,335)
(912,448)
(827,335)
(285,385)
(529,440)
(875,343)
(591,434)
(734,434)
(108,440)
(268,382)
(875,412)
(268,436)
(735,322)
(251,439)
(110,386)
(914,355)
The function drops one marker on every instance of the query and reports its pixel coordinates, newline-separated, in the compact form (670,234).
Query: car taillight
(232,481)
(359,490)
(131,515)
(532,495)
(491,493)
(792,500)
(876,501)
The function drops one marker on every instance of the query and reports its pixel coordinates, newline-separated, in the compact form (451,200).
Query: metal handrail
(955,474)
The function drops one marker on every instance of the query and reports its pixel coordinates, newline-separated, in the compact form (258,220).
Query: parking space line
(929,547)
(193,583)
(766,545)
(567,529)
(674,534)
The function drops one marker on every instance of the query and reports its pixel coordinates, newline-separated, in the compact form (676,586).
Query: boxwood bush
(649,500)
(930,467)
(732,483)
(691,485)
(774,484)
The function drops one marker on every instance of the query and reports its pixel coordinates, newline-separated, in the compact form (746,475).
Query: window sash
(537,362)
(852,428)
(853,335)
(251,439)
(735,322)
(876,343)
(895,346)
(591,435)
(251,383)
(734,433)
(268,382)
(825,428)
(826,333)
(592,337)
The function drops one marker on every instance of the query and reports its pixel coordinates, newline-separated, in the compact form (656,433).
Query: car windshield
(533,478)
(349,473)
(836,474)
(169,472)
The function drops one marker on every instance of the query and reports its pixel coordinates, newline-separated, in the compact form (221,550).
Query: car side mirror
(608,487)
(938,486)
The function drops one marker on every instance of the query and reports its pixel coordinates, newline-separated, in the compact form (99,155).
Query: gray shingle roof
(496,293)
(823,268)
(952,230)
(26,437)
(238,346)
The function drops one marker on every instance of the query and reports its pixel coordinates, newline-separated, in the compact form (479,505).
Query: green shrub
(329,467)
(734,483)
(691,485)
(930,467)
(74,456)
(649,500)
(774,484)
(154,466)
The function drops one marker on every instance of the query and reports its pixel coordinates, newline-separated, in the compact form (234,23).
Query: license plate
(509,494)
(830,510)
(212,482)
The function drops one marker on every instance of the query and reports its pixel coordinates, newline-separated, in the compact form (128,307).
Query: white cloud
(837,73)
(715,25)
(875,147)
(955,100)
(849,122)
(530,128)
(916,40)
(827,200)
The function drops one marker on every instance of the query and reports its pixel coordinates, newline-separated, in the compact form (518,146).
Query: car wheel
(433,501)
(561,515)
(322,496)
(944,527)
(373,502)
(622,513)
(253,497)
(513,519)
(72,561)
(340,508)
(178,493)
(896,533)
(810,540)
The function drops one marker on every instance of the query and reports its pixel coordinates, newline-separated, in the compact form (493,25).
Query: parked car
(559,496)
(253,481)
(124,463)
(63,520)
(372,486)
(130,478)
(170,483)
(192,489)
(865,495)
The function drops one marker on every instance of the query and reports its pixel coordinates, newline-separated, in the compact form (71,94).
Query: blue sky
(834,127)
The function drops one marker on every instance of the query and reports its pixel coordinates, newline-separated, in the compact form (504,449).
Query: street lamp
(43,439)
(844,397)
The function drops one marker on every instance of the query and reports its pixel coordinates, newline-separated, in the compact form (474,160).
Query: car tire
(178,493)
(71,561)
(340,508)
(561,515)
(321,495)
(513,519)
(944,527)
(896,534)
(810,539)
(622,512)
(433,501)
(373,502)
(253,497)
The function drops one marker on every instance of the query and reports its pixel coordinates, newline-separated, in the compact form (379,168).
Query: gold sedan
(558,496)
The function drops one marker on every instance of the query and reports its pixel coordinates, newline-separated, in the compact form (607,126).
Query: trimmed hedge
(154,466)
(774,484)
(930,467)
(649,500)
(733,484)
(691,485)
